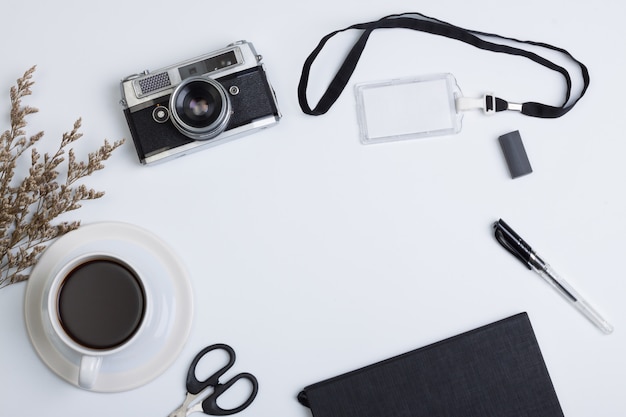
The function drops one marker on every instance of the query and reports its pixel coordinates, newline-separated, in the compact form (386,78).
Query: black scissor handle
(209,405)
(194,386)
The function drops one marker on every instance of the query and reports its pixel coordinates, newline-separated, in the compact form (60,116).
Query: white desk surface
(312,254)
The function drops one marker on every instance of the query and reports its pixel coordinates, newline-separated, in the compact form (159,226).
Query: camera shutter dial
(161,114)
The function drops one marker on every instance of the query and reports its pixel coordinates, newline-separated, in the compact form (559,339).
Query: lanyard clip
(489,103)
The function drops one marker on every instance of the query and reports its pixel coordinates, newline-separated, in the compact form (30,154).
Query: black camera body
(198,103)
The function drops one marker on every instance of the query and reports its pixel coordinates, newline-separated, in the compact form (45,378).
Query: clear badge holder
(408,108)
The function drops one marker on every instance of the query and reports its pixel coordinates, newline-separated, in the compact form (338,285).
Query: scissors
(196,389)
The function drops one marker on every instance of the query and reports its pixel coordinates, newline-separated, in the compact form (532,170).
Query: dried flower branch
(30,205)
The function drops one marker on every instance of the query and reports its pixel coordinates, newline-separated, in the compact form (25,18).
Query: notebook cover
(493,371)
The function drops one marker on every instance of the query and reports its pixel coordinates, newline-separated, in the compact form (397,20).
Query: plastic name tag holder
(408,108)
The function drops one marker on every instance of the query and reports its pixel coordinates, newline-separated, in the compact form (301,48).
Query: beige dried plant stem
(29,205)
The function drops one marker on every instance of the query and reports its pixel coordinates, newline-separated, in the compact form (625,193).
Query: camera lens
(200,108)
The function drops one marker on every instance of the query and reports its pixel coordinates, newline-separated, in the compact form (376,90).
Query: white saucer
(171,317)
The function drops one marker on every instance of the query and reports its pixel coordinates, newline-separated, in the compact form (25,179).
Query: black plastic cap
(515,154)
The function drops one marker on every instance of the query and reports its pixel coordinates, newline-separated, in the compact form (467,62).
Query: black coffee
(101,304)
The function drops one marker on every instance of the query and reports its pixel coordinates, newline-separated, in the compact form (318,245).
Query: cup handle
(88,372)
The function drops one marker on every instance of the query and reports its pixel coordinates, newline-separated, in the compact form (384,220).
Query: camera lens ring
(200,108)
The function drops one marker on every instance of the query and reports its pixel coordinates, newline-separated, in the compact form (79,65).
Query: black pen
(512,242)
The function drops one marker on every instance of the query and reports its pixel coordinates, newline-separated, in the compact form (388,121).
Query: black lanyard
(417,21)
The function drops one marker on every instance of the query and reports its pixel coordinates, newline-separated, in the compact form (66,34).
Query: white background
(312,254)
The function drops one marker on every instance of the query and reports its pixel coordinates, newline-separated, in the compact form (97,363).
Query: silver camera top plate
(138,90)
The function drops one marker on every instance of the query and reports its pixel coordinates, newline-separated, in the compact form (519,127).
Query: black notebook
(493,371)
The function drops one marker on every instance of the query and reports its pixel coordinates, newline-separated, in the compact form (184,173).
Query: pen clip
(512,242)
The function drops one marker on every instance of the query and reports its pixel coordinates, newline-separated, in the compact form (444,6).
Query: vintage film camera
(197,103)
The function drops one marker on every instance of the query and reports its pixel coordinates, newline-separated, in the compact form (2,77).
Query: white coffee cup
(95,306)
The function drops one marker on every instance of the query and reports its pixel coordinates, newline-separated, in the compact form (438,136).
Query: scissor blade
(182,410)
(179,412)
(185,408)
